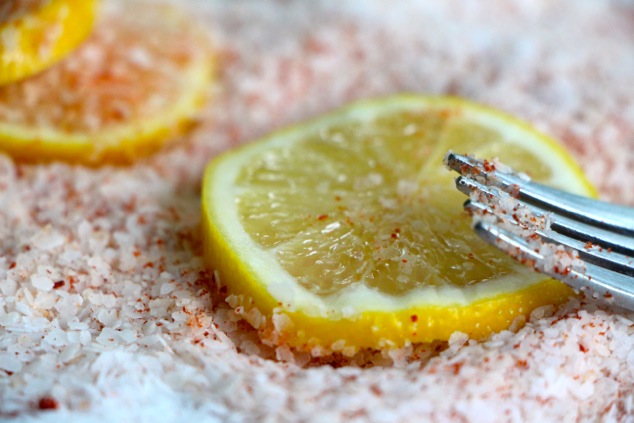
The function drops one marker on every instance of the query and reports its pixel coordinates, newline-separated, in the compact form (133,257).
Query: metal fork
(601,233)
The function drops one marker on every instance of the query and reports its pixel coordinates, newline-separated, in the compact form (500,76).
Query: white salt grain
(8,287)
(69,352)
(107,317)
(9,319)
(25,309)
(166,288)
(42,282)
(48,239)
(56,338)
(45,300)
(10,363)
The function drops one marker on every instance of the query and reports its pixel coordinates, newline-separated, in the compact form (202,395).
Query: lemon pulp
(35,34)
(347,230)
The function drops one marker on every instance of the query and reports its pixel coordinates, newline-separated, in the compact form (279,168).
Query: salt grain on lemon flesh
(137,81)
(346,232)
(35,34)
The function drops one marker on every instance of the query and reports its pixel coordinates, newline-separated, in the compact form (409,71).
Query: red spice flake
(376,390)
(607,295)
(315,46)
(12,265)
(58,284)
(234,133)
(148,264)
(48,403)
(446,114)
(322,217)
(404,260)
(8,372)
(100,212)
(337,198)
(583,348)
(159,324)
(413,318)
(456,367)
(522,364)
(141,220)
(488,166)
(136,253)
(130,206)
(514,191)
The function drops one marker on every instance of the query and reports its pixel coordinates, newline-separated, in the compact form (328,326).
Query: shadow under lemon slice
(347,232)
(140,78)
(35,34)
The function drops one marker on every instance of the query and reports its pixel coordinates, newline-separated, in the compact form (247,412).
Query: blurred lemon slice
(34,34)
(140,78)
(347,232)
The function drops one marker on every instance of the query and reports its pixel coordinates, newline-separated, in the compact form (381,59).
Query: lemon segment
(35,34)
(139,80)
(347,232)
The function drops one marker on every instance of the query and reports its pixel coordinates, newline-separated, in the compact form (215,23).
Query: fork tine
(613,287)
(597,213)
(605,273)
(583,232)
(590,254)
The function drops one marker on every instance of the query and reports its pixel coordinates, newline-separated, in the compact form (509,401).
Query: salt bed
(136,331)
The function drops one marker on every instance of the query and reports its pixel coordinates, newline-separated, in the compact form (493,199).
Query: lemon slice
(34,34)
(347,231)
(140,78)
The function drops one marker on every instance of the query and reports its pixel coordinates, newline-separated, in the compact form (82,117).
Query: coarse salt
(283,62)
(43,283)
